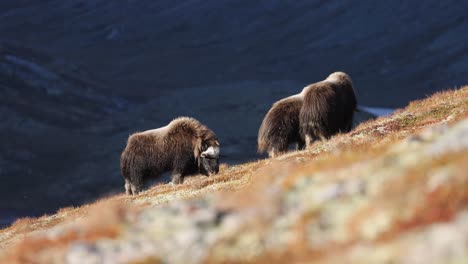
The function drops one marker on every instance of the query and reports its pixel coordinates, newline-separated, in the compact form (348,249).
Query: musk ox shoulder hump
(159,131)
(183,120)
(191,125)
(339,78)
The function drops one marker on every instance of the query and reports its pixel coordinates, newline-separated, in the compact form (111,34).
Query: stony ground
(393,190)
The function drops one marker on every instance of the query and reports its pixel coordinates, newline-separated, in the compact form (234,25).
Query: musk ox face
(209,161)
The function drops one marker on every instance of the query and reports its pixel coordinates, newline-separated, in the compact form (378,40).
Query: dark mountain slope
(396,51)
(50,113)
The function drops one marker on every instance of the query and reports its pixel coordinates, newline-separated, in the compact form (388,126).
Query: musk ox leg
(301,145)
(309,140)
(128,187)
(134,185)
(275,152)
(278,150)
(319,135)
(131,188)
(177,178)
(132,169)
(349,126)
(272,153)
(178,169)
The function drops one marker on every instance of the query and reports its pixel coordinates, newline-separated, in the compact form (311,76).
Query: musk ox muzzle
(209,161)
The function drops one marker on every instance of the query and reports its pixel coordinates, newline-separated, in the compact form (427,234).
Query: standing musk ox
(280,127)
(184,146)
(319,111)
(328,108)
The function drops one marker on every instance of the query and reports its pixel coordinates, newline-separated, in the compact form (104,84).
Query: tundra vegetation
(386,192)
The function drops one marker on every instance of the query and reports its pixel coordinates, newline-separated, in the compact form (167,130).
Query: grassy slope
(366,156)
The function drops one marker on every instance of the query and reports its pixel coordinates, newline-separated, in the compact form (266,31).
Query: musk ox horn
(211,152)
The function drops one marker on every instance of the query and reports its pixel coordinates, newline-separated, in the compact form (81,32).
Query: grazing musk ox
(280,127)
(184,146)
(328,108)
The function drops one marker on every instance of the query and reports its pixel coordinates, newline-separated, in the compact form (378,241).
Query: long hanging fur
(280,127)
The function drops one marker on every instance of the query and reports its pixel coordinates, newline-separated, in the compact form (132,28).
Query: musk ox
(328,108)
(321,110)
(184,146)
(280,127)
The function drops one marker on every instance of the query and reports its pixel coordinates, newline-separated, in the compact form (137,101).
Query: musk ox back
(184,146)
(328,108)
(280,127)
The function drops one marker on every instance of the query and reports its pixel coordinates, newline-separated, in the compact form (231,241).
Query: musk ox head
(208,163)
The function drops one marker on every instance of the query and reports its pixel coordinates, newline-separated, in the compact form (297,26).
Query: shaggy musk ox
(328,108)
(280,127)
(184,146)
(319,111)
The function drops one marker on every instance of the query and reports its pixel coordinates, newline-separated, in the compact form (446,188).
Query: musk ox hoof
(177,179)
(128,187)
(131,189)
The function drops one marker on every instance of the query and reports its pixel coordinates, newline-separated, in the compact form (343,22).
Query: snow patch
(378,111)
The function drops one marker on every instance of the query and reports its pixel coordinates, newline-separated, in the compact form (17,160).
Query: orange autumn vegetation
(105,217)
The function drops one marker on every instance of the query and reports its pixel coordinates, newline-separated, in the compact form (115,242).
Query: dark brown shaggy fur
(280,127)
(175,147)
(328,108)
